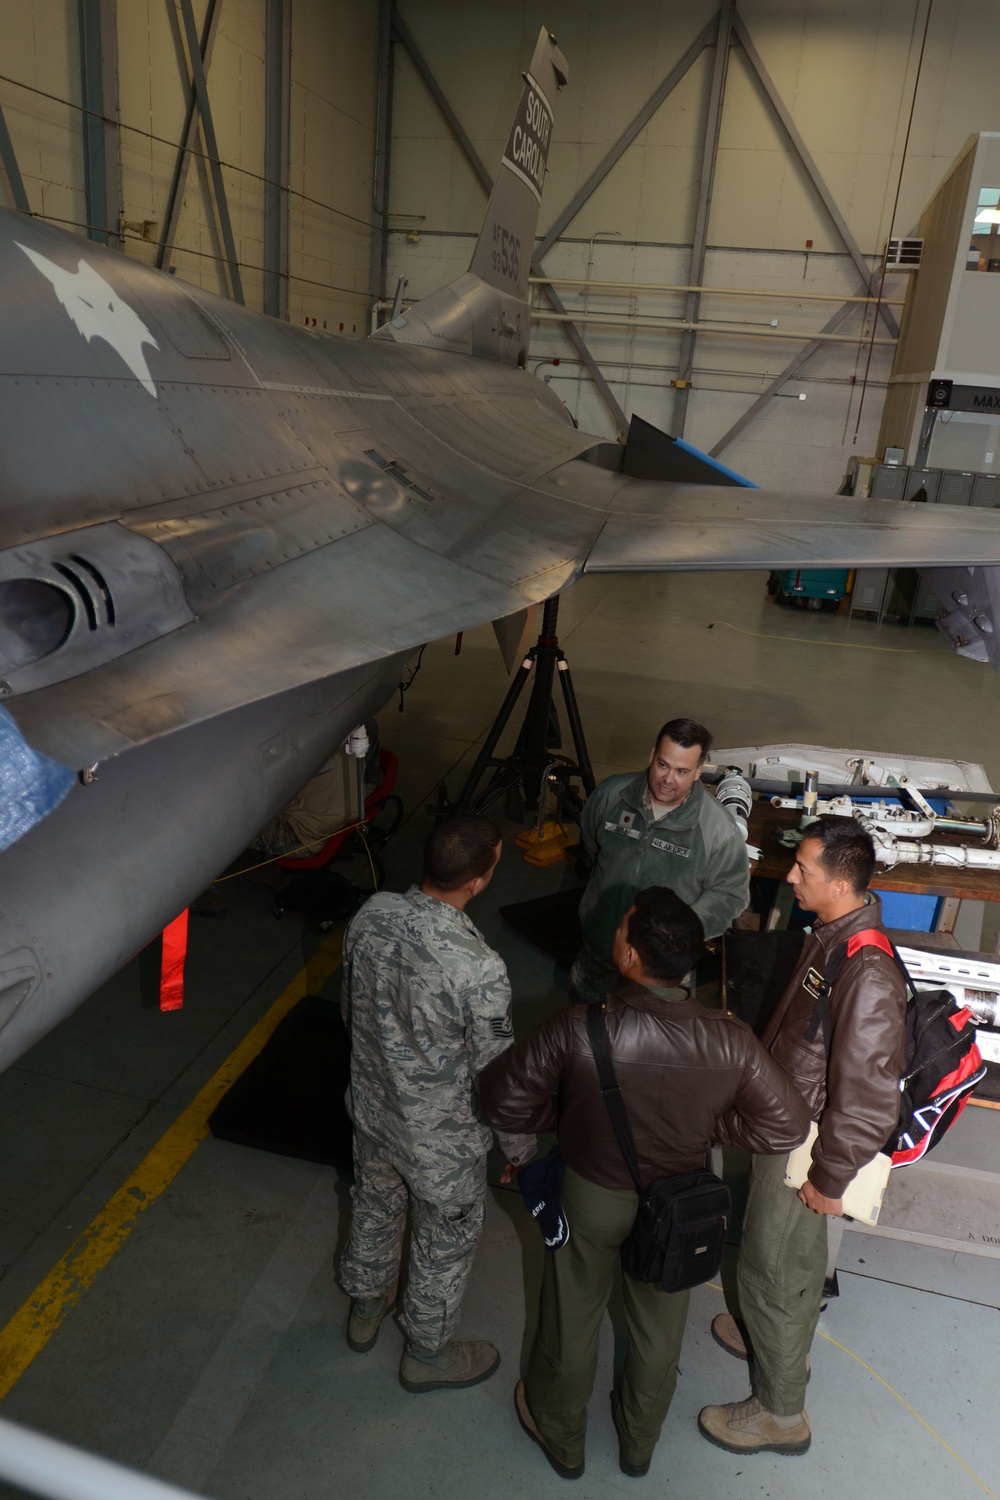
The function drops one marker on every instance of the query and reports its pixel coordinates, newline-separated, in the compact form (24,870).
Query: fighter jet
(222,537)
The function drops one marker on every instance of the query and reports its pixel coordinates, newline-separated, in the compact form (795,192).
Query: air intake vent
(903,255)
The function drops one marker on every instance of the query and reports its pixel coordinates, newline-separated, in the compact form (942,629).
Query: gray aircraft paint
(211,522)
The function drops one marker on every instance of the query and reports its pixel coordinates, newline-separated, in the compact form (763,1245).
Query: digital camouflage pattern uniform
(427,1004)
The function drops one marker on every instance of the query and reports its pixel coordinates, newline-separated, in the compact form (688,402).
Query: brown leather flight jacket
(688,1077)
(855,1093)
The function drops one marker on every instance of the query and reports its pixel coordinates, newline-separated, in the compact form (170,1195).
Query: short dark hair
(848,851)
(665,933)
(459,850)
(687,732)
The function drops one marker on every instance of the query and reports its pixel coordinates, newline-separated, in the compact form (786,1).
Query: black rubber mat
(552,923)
(291,1098)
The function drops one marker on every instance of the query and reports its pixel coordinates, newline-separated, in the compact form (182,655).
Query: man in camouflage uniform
(428,1008)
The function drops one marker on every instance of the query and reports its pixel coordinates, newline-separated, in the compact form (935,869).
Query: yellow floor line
(31,1327)
(715,1287)
(913,1412)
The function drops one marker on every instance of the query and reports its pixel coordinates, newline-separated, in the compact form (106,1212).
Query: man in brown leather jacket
(852,1090)
(688,1077)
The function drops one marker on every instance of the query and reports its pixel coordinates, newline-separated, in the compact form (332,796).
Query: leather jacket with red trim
(687,1076)
(854,1093)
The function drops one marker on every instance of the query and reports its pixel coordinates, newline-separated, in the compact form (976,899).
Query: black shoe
(634,1471)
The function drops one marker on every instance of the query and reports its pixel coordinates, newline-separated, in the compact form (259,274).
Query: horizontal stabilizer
(655,527)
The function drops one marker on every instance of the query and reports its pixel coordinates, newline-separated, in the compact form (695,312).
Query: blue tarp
(31,785)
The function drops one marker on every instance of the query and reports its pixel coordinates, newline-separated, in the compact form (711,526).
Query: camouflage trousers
(447,1209)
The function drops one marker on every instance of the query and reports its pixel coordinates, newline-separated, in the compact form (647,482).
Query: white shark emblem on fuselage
(99,313)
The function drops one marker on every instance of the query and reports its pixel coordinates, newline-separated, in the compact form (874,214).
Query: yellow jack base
(551,831)
(545,848)
(547,853)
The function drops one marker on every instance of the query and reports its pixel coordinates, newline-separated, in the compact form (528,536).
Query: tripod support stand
(533,766)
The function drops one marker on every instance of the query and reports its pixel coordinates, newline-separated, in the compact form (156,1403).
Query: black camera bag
(680,1227)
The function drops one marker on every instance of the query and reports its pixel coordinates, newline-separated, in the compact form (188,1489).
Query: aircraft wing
(671,526)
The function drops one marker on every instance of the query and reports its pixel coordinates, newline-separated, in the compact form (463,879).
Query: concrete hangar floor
(207,1345)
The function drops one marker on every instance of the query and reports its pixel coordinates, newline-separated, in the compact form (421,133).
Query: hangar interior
(202,1342)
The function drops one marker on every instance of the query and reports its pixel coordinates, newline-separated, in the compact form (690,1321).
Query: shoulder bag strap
(610,1092)
(870,937)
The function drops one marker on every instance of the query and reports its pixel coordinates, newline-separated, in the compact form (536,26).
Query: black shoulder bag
(680,1227)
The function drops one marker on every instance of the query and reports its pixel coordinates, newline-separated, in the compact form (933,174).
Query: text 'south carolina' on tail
(485,311)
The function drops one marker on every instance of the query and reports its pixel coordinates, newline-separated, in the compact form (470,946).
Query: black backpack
(943,1062)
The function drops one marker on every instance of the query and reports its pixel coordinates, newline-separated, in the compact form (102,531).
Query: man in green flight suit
(657,827)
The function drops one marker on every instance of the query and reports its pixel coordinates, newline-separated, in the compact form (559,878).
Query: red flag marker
(175,937)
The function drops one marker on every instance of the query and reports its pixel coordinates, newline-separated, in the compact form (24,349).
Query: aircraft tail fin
(506,242)
(485,311)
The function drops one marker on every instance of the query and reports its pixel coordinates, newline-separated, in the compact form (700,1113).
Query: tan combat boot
(748,1427)
(366,1316)
(453,1366)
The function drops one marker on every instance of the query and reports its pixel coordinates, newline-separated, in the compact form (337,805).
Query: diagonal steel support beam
(277,79)
(212,149)
(802,151)
(709,156)
(628,135)
(11,169)
(401,29)
(788,373)
(99,87)
(189,144)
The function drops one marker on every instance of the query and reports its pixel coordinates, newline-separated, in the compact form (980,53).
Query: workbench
(953,886)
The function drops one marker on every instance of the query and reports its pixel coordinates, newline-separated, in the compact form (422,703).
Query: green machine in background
(813,587)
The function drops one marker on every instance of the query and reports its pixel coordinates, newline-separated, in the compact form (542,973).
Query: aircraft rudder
(504,250)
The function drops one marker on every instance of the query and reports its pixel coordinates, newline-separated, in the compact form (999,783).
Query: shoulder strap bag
(681,1223)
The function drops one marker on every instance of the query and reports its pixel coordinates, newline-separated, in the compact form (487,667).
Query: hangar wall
(845,70)
(330,125)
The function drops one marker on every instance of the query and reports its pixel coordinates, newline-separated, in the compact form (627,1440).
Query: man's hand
(508,1174)
(814,1199)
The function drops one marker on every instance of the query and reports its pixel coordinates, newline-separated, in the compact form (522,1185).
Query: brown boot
(527,1421)
(748,1427)
(453,1366)
(728,1335)
(366,1317)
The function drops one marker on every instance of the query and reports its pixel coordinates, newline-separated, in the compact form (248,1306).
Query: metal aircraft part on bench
(222,536)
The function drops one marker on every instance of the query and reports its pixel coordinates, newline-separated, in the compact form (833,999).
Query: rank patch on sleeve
(501,1028)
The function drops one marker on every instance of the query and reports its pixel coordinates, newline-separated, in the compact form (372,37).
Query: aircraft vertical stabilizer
(485,312)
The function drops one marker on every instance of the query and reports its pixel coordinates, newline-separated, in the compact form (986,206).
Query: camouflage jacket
(428,1007)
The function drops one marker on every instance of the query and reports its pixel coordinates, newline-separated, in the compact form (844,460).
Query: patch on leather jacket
(813,984)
